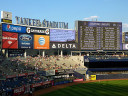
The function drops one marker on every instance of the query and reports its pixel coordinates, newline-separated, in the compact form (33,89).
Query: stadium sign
(43,31)
(37,22)
(63,46)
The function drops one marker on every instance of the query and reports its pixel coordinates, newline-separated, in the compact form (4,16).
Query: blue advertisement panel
(25,41)
(13,28)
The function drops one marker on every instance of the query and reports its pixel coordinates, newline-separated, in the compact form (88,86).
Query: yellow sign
(7,21)
(93,77)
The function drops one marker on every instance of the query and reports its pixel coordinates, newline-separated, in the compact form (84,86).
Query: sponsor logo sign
(42,31)
(77,80)
(10,40)
(13,28)
(41,42)
(6,20)
(125,46)
(63,45)
(93,77)
(19,90)
(25,41)
(6,15)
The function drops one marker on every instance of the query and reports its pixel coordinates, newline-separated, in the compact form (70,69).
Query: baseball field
(100,88)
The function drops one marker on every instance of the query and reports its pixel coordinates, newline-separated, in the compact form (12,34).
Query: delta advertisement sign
(13,28)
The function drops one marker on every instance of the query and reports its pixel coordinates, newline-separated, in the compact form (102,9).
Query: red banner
(77,80)
(23,74)
(47,82)
(10,76)
(10,40)
(36,85)
(19,91)
(31,73)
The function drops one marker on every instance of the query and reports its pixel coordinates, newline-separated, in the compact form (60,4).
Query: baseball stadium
(48,59)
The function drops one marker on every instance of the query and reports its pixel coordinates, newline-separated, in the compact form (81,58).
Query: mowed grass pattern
(101,88)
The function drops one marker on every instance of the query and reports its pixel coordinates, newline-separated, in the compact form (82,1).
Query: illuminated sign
(59,35)
(125,46)
(13,28)
(25,41)
(94,35)
(43,31)
(44,23)
(41,42)
(5,20)
(63,46)
(9,40)
(6,15)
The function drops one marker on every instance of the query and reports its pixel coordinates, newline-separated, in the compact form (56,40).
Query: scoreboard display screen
(60,35)
(93,35)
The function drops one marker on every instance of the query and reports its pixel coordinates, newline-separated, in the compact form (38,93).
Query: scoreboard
(93,35)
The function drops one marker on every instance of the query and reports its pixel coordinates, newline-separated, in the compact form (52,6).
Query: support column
(43,53)
(80,53)
(58,53)
(123,53)
(61,53)
(25,53)
(71,53)
(7,53)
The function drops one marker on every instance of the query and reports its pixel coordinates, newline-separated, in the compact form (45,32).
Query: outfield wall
(111,76)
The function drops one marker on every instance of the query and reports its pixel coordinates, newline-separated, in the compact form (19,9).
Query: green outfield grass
(101,88)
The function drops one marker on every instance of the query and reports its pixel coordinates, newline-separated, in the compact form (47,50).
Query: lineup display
(59,35)
(94,35)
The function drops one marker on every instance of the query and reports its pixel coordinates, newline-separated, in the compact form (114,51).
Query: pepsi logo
(8,26)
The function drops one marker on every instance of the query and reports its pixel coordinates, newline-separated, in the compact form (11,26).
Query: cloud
(91,17)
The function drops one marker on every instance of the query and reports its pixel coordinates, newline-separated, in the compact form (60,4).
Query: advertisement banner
(41,42)
(18,91)
(42,31)
(10,76)
(15,52)
(93,77)
(36,85)
(125,46)
(25,41)
(6,20)
(77,80)
(61,35)
(9,40)
(63,45)
(6,15)
(13,28)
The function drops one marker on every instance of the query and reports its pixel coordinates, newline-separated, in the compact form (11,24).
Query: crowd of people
(12,70)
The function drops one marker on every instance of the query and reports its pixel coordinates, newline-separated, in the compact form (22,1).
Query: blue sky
(69,10)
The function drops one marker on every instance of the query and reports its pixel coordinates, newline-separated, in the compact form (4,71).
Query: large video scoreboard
(93,35)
